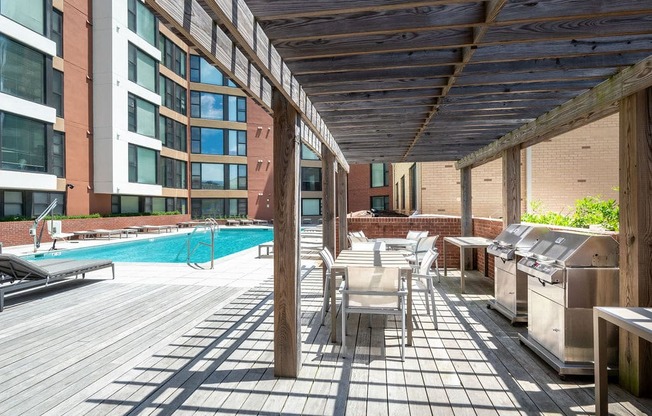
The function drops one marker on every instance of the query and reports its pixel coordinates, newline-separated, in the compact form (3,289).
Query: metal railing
(210,224)
(34,227)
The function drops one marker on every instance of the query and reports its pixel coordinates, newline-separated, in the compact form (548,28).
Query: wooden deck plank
(200,350)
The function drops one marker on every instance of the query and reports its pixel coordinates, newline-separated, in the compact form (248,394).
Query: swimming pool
(169,249)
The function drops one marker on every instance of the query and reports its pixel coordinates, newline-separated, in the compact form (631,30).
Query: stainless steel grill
(510,284)
(569,274)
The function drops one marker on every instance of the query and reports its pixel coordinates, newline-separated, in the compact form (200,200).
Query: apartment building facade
(108,111)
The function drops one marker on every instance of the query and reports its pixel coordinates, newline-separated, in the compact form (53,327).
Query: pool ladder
(210,224)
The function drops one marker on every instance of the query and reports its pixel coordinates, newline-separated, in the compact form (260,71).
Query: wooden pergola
(443,80)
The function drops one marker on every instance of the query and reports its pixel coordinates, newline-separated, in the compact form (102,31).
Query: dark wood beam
(590,106)
(287,292)
(372,86)
(288,9)
(492,9)
(346,25)
(335,78)
(376,95)
(635,355)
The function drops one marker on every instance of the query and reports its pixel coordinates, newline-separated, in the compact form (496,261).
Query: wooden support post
(328,200)
(342,204)
(511,186)
(635,355)
(287,289)
(466,217)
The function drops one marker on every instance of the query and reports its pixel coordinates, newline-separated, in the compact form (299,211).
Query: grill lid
(567,249)
(516,237)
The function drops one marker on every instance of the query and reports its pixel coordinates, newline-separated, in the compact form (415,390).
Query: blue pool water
(169,249)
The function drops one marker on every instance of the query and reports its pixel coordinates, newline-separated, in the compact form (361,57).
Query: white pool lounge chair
(232,221)
(107,233)
(18,274)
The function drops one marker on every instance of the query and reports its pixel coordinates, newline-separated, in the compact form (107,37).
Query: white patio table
(464,243)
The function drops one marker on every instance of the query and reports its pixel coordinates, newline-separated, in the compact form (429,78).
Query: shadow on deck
(222,363)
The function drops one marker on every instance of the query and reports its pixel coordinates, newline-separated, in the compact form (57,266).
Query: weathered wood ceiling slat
(432,80)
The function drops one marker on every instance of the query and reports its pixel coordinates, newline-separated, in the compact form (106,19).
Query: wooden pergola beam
(588,107)
(245,55)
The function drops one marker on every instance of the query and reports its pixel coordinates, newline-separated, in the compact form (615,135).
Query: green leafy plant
(590,210)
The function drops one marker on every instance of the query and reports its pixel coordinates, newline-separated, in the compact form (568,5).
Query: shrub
(588,211)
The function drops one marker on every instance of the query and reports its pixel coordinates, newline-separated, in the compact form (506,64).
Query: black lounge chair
(18,274)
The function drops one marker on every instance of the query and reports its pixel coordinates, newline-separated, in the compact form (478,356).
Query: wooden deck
(133,347)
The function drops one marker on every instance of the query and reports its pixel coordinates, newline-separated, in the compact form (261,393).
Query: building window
(12,204)
(209,141)
(413,187)
(173,134)
(203,72)
(307,154)
(219,207)
(310,179)
(213,106)
(381,203)
(173,173)
(142,21)
(219,176)
(403,192)
(174,58)
(22,143)
(142,165)
(22,70)
(29,13)
(142,116)
(142,68)
(311,207)
(379,175)
(57,92)
(128,204)
(56,33)
(58,154)
(41,200)
(173,95)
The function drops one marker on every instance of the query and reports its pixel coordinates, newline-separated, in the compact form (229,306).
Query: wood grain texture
(342,211)
(587,107)
(511,186)
(466,213)
(287,287)
(635,355)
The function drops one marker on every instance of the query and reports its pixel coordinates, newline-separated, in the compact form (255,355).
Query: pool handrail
(214,227)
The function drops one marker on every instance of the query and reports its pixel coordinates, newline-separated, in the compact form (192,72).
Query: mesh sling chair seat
(18,274)
(374,290)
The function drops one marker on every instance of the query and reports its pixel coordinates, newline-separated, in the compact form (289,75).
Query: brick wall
(360,190)
(443,226)
(582,162)
(13,233)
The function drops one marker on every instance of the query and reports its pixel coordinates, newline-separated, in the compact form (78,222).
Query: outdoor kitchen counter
(464,243)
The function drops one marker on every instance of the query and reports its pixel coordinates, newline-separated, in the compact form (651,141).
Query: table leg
(600,364)
(409,307)
(333,307)
(462,262)
(486,263)
(444,247)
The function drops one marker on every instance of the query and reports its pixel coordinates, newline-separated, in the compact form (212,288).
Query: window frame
(133,97)
(385,167)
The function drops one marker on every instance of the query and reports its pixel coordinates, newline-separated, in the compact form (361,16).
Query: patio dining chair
(328,260)
(373,290)
(420,251)
(416,235)
(422,281)
(356,239)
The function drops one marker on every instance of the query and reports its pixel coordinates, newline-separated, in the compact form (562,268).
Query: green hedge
(588,211)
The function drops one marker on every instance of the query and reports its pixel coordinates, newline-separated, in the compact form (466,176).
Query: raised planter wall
(444,226)
(15,233)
